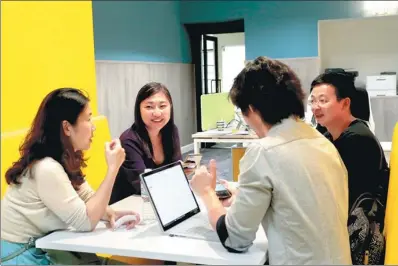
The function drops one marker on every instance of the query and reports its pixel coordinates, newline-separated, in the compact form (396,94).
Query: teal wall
(147,31)
(278,29)
(152,31)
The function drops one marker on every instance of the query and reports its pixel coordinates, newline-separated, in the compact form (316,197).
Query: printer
(384,84)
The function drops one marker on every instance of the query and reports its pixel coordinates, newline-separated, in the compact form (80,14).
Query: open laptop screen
(171,195)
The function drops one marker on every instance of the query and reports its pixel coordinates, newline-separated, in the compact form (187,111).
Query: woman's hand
(112,216)
(115,154)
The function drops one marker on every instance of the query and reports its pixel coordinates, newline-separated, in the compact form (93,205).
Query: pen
(191,237)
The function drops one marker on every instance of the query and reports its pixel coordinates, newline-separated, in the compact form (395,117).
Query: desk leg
(236,154)
(196,146)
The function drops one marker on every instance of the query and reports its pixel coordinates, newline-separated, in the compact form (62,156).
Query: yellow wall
(9,153)
(391,222)
(44,45)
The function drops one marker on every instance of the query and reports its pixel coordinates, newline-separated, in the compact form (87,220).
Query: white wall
(368,45)
(228,39)
(306,69)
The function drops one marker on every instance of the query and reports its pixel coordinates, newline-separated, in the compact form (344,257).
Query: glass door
(210,79)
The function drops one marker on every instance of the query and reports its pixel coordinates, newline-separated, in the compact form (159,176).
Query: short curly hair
(270,87)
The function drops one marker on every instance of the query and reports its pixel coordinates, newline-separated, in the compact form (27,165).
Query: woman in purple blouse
(152,141)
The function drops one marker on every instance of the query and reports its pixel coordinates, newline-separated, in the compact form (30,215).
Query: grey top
(294,183)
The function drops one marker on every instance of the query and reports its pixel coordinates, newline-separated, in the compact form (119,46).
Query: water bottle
(144,193)
(147,211)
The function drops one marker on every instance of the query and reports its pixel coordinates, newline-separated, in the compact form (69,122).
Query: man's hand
(203,180)
(203,184)
(232,189)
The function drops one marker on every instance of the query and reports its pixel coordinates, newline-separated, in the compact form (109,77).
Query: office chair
(362,108)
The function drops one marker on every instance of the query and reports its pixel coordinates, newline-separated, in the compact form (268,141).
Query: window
(380,8)
(211,52)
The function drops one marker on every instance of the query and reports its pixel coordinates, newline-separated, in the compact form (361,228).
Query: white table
(147,241)
(225,136)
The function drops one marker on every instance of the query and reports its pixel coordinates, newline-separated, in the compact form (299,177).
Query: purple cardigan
(138,158)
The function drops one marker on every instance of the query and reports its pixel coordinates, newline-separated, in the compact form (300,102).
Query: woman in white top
(292,181)
(47,189)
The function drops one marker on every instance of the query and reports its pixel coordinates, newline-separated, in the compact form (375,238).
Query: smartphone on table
(191,162)
(221,191)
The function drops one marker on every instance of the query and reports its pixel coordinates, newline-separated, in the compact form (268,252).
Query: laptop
(175,205)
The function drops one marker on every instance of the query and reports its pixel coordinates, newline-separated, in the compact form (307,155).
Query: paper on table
(218,132)
(240,132)
(214,133)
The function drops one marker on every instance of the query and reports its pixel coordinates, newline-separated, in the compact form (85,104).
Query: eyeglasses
(320,102)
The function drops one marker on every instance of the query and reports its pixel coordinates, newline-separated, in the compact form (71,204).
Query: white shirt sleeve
(85,191)
(57,193)
(252,202)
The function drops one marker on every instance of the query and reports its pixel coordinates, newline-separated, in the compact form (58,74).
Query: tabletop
(148,241)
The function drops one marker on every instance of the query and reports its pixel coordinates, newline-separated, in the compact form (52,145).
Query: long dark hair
(46,137)
(168,132)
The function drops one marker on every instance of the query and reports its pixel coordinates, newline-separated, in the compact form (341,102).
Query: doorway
(205,57)
(231,57)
